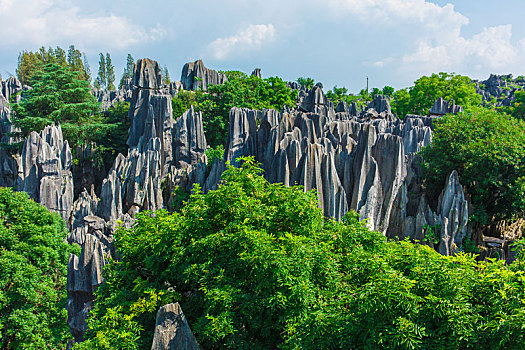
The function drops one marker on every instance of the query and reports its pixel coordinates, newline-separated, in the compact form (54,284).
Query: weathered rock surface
(442,107)
(172,331)
(10,87)
(196,76)
(189,142)
(257,73)
(45,171)
(84,276)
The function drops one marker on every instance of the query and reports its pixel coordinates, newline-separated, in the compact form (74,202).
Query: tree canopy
(31,62)
(33,268)
(241,91)
(487,149)
(419,98)
(255,265)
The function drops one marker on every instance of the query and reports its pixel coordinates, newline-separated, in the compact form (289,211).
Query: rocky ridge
(364,160)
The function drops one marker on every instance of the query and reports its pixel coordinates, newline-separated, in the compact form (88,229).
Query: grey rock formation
(9,163)
(380,104)
(442,107)
(10,87)
(150,110)
(361,162)
(84,276)
(257,73)
(189,142)
(172,331)
(174,87)
(196,76)
(45,170)
(453,212)
(316,102)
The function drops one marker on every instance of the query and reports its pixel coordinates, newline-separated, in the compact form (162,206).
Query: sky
(336,42)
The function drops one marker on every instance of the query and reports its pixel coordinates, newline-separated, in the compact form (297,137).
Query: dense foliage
(31,62)
(419,98)
(58,96)
(241,91)
(487,149)
(33,267)
(255,265)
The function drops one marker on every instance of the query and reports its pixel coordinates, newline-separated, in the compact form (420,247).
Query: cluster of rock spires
(501,88)
(362,159)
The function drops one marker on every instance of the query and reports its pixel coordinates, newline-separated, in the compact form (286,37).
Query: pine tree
(110,73)
(165,76)
(128,70)
(100,82)
(60,56)
(87,70)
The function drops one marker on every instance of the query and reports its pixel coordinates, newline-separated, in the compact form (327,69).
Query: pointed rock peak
(442,107)
(147,74)
(257,73)
(380,104)
(172,330)
(315,98)
(196,76)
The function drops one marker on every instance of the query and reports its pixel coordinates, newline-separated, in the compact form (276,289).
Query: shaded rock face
(257,73)
(500,87)
(196,76)
(162,151)
(363,163)
(172,331)
(442,107)
(189,142)
(45,170)
(10,87)
(150,110)
(9,163)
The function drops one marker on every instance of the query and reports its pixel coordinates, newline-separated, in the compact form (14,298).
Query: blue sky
(337,42)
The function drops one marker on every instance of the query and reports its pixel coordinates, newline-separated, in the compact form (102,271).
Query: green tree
(165,76)
(241,91)
(110,73)
(33,267)
(128,70)
(427,90)
(59,96)
(306,82)
(255,265)
(77,63)
(102,77)
(487,149)
(517,109)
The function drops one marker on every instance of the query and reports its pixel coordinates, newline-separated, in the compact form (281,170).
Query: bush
(419,98)
(33,268)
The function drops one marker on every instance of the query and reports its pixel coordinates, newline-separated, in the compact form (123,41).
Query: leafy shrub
(255,265)
(33,268)
(487,149)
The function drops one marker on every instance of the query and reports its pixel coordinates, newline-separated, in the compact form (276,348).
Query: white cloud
(50,22)
(252,38)
(434,36)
